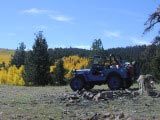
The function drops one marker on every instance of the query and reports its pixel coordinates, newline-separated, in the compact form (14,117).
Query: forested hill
(58,53)
(5,55)
(128,53)
(147,56)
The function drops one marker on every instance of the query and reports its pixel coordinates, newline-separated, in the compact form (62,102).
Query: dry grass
(46,103)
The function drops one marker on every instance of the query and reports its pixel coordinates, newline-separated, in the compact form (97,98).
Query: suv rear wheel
(114,82)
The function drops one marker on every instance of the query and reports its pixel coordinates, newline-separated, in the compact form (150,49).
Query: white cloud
(35,11)
(49,13)
(111,34)
(140,41)
(61,18)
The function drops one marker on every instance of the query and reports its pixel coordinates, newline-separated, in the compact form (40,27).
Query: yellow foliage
(52,68)
(3,76)
(12,76)
(71,63)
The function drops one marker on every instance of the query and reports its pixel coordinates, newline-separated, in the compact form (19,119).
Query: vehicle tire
(77,83)
(88,86)
(114,82)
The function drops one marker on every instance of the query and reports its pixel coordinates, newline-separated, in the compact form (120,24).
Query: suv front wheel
(77,83)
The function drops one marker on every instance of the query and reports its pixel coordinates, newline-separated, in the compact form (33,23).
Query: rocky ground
(61,103)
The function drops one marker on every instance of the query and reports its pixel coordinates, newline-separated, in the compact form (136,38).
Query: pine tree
(29,69)
(19,57)
(153,20)
(155,64)
(59,74)
(97,48)
(37,65)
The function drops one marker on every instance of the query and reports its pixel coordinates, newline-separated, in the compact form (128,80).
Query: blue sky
(75,23)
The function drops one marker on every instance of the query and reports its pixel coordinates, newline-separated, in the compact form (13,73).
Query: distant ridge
(5,55)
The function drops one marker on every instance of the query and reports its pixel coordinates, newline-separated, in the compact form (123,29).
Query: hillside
(129,53)
(5,55)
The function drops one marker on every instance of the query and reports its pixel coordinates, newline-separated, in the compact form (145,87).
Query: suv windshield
(98,60)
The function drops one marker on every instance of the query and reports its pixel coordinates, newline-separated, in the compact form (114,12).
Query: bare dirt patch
(60,103)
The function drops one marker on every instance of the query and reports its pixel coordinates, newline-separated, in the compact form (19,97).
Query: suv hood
(80,71)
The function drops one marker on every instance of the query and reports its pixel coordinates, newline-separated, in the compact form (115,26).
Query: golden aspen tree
(20,75)
(71,63)
(11,75)
(74,62)
(3,76)
(14,75)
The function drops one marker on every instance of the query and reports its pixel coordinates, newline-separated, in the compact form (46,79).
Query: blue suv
(113,71)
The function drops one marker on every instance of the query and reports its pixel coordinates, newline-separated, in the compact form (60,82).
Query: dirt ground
(61,103)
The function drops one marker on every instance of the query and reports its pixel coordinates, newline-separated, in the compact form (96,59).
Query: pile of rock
(97,95)
(86,99)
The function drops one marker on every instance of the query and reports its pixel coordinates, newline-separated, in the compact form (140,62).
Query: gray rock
(106,115)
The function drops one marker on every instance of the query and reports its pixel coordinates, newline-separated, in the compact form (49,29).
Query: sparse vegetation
(48,103)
